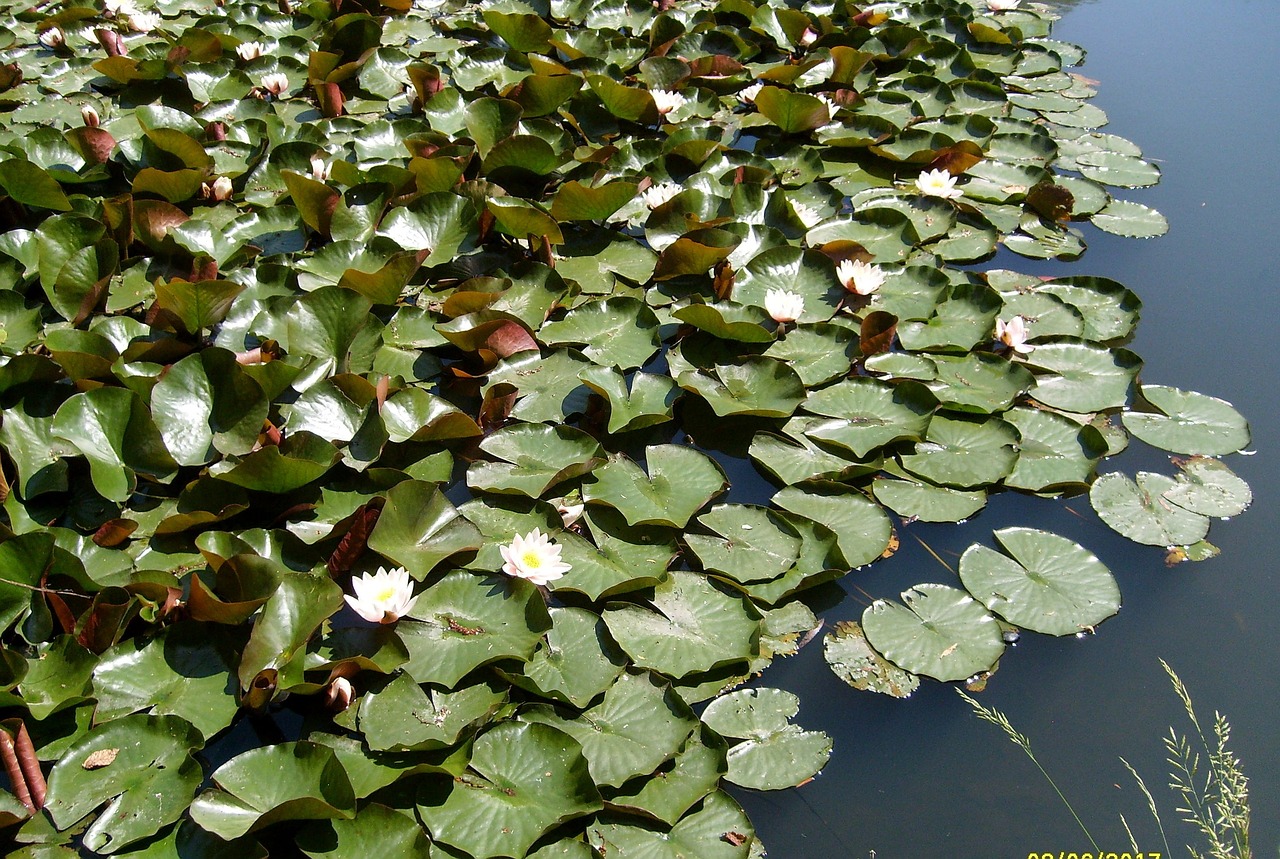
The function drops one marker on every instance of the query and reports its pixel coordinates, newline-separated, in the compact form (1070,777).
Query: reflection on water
(923,778)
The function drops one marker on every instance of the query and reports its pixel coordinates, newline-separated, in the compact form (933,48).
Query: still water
(1194,84)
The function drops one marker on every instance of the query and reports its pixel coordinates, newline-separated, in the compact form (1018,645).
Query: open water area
(1194,84)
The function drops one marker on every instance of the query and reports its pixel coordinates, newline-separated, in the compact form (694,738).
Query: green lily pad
(680,481)
(1188,422)
(1139,511)
(537,458)
(523,780)
(1209,488)
(1046,583)
(696,627)
(940,632)
(964,453)
(752,543)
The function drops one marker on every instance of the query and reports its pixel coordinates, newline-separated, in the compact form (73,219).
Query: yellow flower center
(385,595)
(531,560)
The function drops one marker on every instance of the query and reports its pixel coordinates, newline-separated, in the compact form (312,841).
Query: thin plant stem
(1000,720)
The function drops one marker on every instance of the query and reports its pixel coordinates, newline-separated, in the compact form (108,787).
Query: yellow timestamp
(1063,854)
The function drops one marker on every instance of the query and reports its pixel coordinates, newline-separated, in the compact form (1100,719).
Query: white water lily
(570,509)
(121,8)
(808,215)
(320,168)
(783,306)
(667,100)
(938,183)
(808,37)
(533,557)
(382,597)
(655,195)
(1014,335)
(144,22)
(1002,5)
(53,38)
(275,83)
(830,103)
(859,277)
(250,50)
(748,95)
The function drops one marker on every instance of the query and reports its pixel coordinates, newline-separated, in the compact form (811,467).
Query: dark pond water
(1194,84)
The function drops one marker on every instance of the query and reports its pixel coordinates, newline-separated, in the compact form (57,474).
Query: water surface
(1194,85)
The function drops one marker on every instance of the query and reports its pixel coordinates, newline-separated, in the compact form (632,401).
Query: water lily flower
(533,557)
(276,83)
(250,50)
(938,183)
(382,597)
(666,100)
(121,8)
(808,215)
(808,37)
(144,22)
(783,306)
(829,102)
(748,95)
(1014,335)
(859,277)
(1002,5)
(655,195)
(320,168)
(53,38)
(90,115)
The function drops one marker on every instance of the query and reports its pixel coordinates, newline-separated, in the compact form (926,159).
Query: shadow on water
(923,777)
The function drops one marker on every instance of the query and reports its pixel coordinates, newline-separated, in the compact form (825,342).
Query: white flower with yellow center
(250,50)
(783,306)
(807,215)
(938,183)
(382,597)
(748,95)
(533,557)
(1014,335)
(667,100)
(655,195)
(859,277)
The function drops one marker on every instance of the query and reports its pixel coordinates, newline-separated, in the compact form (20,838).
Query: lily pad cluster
(292,292)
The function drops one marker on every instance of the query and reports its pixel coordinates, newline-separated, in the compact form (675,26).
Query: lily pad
(855,662)
(1046,583)
(940,632)
(1188,422)
(1139,511)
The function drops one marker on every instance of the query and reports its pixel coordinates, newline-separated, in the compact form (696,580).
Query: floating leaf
(940,632)
(1046,583)
(680,481)
(1209,488)
(1139,511)
(1188,422)
(855,662)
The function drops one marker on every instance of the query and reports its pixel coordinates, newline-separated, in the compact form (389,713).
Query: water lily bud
(859,277)
(382,597)
(533,557)
(275,83)
(667,100)
(808,37)
(570,509)
(216,130)
(320,168)
(1002,5)
(783,306)
(53,38)
(938,183)
(250,50)
(221,189)
(90,115)
(339,694)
